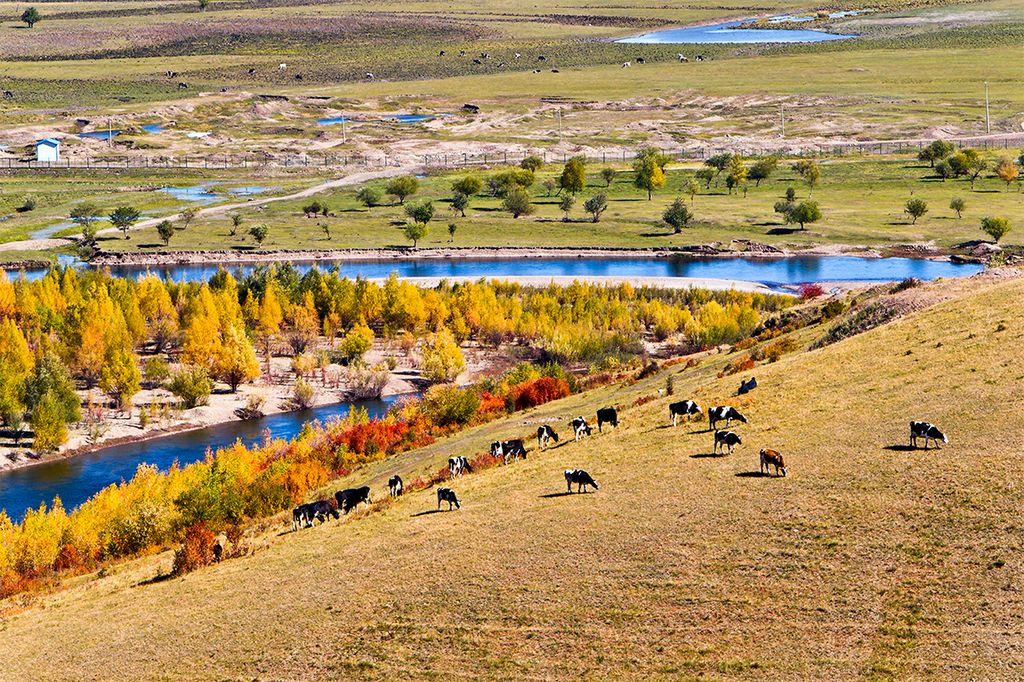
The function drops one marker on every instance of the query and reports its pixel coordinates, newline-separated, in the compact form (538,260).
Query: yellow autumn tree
(236,359)
(268,322)
(201,342)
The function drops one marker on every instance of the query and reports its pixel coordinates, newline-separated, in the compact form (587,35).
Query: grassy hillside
(868,561)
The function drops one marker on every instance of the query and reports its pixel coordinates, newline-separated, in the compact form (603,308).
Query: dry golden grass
(865,562)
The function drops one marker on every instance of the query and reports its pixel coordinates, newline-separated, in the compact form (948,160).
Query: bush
(832,309)
(196,550)
(740,364)
(537,392)
(303,395)
(442,358)
(450,405)
(155,371)
(368,383)
(809,291)
(192,385)
(775,350)
(369,196)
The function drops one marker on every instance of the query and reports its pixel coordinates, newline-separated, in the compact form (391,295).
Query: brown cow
(772,458)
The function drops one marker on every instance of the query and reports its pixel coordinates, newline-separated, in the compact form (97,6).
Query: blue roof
(51,141)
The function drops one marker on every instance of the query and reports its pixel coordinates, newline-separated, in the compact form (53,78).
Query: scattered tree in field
(84,215)
(532,163)
(648,174)
(565,205)
(313,209)
(762,169)
(401,188)
(737,173)
(915,208)
(186,216)
(123,217)
(517,202)
(968,163)
(191,385)
(203,4)
(936,151)
(944,170)
(259,232)
(718,163)
(421,213)
(442,358)
(803,213)
(608,175)
(31,17)
(809,170)
(369,196)
(574,176)
(790,194)
(504,182)
(165,230)
(236,222)
(325,228)
(958,205)
(357,342)
(595,206)
(691,187)
(1007,171)
(469,185)
(705,175)
(678,215)
(452,227)
(460,202)
(550,185)
(997,228)
(48,425)
(415,231)
(236,361)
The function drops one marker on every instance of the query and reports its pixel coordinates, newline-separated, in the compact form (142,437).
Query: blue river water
(728,32)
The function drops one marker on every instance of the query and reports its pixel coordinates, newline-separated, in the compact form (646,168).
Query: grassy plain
(869,561)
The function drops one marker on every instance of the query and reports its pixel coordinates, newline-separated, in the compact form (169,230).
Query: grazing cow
(183,86)
(506,449)
(772,458)
(641,60)
(322,509)
(441,53)
(682,57)
(447,495)
(252,72)
(477,61)
(516,55)
(726,439)
(458,466)
(555,71)
(395,485)
(926,431)
(686,408)
(282,67)
(305,514)
(581,478)
(626,65)
(299,516)
(350,497)
(298,76)
(541,58)
(607,415)
(747,386)
(700,58)
(8,94)
(580,427)
(545,434)
(726,414)
(462,53)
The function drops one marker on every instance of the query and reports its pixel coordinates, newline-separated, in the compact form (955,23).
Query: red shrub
(490,405)
(68,557)
(196,549)
(741,364)
(534,392)
(485,461)
(809,291)
(643,400)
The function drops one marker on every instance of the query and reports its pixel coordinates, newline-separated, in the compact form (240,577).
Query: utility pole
(988,122)
(782,116)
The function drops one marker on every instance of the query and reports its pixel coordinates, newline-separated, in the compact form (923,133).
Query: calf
(320,510)
(581,478)
(726,414)
(299,516)
(350,497)
(747,386)
(928,432)
(726,439)
(458,466)
(772,458)
(607,415)
(447,495)
(545,434)
(686,408)
(507,449)
(580,427)
(395,485)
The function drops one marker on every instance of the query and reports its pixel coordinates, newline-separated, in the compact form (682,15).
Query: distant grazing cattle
(298,76)
(441,53)
(926,431)
(536,70)
(368,76)
(350,497)
(581,478)
(471,108)
(305,514)
(8,94)
(682,57)
(685,408)
(462,53)
(252,72)
(640,60)
(508,449)
(772,458)
(477,61)
(282,67)
(541,58)
(580,428)
(516,55)
(626,65)
(218,551)
(485,55)
(183,86)
(447,495)
(726,414)
(545,434)
(395,485)
(555,71)
(458,466)
(700,58)
(607,415)
(747,386)
(726,439)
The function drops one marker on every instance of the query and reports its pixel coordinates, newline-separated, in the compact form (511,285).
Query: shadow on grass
(158,578)
(428,512)
(566,494)
(706,454)
(657,234)
(784,230)
(753,474)
(901,448)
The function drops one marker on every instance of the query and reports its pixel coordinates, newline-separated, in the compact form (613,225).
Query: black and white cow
(545,434)
(928,432)
(299,516)
(726,414)
(508,449)
(447,495)
(350,497)
(458,466)
(607,415)
(306,514)
(395,485)
(580,427)
(747,386)
(685,408)
(581,478)
(726,439)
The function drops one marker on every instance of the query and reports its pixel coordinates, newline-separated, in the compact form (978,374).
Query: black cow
(350,497)
(607,415)
(685,408)
(183,86)
(726,414)
(457,466)
(726,439)
(580,427)
(306,514)
(581,478)
(506,449)
(747,386)
(545,434)
(395,485)
(926,431)
(299,516)
(447,495)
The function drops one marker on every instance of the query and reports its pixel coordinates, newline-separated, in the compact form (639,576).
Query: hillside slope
(867,561)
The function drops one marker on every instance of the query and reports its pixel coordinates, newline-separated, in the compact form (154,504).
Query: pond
(78,478)
(729,33)
(153,128)
(101,134)
(197,193)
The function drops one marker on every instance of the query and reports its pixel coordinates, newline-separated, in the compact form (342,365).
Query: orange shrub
(534,392)
(196,549)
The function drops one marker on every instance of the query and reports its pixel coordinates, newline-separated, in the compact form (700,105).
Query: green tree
(451,232)
(810,171)
(402,187)
(916,208)
(165,229)
(532,163)
(574,176)
(705,175)
(958,205)
(357,342)
(648,175)
(607,174)
(203,4)
(470,185)
(236,222)
(762,169)
(460,202)
(596,205)
(369,196)
(803,213)
(517,202)
(691,187)
(187,215)
(191,384)
(678,215)
(421,213)
(31,16)
(967,162)
(565,205)
(123,217)
(442,358)
(50,376)
(415,231)
(936,151)
(718,163)
(48,425)
(259,232)
(997,228)
(84,215)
